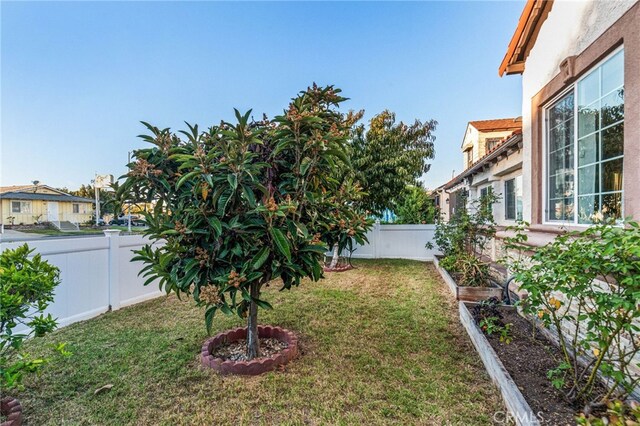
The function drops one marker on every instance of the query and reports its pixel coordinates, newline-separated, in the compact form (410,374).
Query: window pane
(613,73)
(556,209)
(613,141)
(518,193)
(589,89)
(588,206)
(509,197)
(15,207)
(568,209)
(588,119)
(560,163)
(612,206)
(612,109)
(588,150)
(568,158)
(588,182)
(556,162)
(612,175)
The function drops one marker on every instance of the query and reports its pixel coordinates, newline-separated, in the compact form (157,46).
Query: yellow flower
(596,352)
(555,303)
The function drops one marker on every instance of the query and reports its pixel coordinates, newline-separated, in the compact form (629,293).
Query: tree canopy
(243,203)
(388,156)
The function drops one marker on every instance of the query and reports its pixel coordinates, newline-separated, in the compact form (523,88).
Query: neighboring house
(492,153)
(29,204)
(580,66)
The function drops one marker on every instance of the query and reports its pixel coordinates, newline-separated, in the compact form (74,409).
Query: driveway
(10,235)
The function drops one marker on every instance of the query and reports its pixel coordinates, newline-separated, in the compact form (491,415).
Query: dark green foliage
(464,239)
(586,287)
(26,289)
(242,203)
(414,206)
(389,156)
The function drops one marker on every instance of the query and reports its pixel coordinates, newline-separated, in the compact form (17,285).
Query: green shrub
(415,206)
(464,239)
(26,289)
(586,287)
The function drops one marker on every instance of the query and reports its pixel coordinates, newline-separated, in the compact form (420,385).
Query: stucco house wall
(568,30)
(37,200)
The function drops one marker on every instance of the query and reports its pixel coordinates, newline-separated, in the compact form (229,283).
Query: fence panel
(132,289)
(397,242)
(97,273)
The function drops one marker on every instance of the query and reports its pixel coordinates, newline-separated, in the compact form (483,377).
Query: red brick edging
(11,408)
(253,367)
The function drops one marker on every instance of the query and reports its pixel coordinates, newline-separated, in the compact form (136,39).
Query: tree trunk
(335,258)
(253,342)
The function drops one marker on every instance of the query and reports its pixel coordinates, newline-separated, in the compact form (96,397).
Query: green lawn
(380,344)
(84,231)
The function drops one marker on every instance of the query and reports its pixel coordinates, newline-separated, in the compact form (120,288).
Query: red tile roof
(498,124)
(514,137)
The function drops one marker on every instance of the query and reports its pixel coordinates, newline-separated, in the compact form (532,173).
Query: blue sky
(78,77)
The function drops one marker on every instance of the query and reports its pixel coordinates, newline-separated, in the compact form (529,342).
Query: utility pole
(97,193)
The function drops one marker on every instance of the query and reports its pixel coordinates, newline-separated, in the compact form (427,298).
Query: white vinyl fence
(96,274)
(397,242)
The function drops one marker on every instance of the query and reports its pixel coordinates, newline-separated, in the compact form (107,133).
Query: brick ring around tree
(12,410)
(255,366)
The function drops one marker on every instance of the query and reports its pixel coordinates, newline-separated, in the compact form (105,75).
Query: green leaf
(262,303)
(281,243)
(259,259)
(233,181)
(215,224)
(208,317)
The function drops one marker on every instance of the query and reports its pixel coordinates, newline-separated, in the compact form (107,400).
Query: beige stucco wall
(477,140)
(570,28)
(505,169)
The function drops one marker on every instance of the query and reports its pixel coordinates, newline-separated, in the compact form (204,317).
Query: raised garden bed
(519,369)
(467,294)
(219,354)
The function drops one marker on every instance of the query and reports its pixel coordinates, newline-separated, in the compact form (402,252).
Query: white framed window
(75,208)
(513,199)
(21,207)
(584,141)
(482,197)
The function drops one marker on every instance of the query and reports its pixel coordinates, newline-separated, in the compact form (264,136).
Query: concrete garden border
(519,409)
(467,294)
(253,367)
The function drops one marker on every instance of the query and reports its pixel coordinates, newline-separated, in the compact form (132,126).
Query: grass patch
(380,344)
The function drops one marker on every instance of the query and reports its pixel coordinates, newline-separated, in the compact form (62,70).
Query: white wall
(95,273)
(570,28)
(398,242)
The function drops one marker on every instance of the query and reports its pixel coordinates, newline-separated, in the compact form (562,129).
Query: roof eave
(533,16)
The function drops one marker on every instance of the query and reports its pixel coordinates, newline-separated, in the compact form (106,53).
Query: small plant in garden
(586,287)
(489,318)
(26,289)
(243,203)
(618,413)
(464,239)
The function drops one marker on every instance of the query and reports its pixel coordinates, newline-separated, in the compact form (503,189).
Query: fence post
(113,237)
(376,238)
